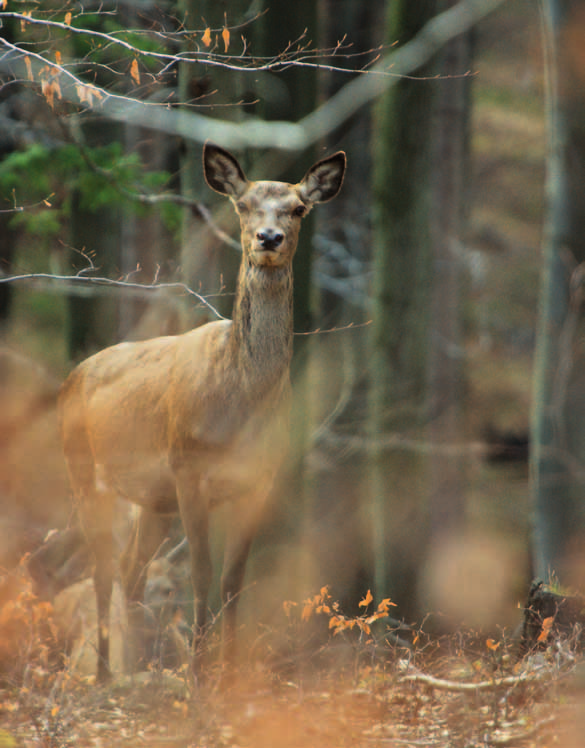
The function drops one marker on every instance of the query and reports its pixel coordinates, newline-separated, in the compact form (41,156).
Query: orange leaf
(207,37)
(50,89)
(28,67)
(385,604)
(225,35)
(68,18)
(306,614)
(134,72)
(546,629)
(23,23)
(367,600)
(58,57)
(491,644)
(86,94)
(287,606)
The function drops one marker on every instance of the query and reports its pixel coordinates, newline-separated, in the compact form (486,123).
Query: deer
(185,423)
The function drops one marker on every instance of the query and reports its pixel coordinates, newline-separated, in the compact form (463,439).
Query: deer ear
(222,171)
(323,180)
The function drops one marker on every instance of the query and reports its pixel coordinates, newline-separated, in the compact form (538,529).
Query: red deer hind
(184,423)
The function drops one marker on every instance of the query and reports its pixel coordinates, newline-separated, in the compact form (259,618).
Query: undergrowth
(368,680)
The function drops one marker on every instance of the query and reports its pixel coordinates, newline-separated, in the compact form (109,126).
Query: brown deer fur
(183,423)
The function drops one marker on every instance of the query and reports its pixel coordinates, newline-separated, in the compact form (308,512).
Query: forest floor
(447,696)
(322,680)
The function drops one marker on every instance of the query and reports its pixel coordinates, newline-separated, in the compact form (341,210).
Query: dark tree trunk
(557,438)
(445,345)
(398,358)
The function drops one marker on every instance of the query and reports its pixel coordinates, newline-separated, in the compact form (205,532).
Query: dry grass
(361,687)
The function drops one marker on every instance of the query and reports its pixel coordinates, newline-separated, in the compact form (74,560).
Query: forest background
(438,300)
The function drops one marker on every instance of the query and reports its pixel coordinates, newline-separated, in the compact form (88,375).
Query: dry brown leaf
(28,67)
(135,72)
(367,600)
(225,35)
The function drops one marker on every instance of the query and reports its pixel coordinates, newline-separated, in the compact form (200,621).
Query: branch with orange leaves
(322,604)
(298,53)
(361,91)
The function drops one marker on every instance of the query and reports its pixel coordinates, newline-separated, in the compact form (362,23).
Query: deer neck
(262,328)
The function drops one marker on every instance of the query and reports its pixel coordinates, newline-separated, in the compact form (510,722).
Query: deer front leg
(245,515)
(194,513)
(149,532)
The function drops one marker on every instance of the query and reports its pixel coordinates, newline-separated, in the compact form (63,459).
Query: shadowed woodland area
(417,573)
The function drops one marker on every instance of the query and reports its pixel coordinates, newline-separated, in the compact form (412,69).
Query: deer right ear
(323,180)
(222,171)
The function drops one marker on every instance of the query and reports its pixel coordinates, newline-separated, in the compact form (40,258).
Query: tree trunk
(445,344)
(337,534)
(400,309)
(207,265)
(554,512)
(93,319)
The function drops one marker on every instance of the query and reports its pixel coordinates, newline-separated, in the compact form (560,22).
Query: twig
(96,280)
(289,136)
(511,738)
(485,685)
(83,279)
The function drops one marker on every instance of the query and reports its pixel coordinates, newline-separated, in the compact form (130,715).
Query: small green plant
(44,180)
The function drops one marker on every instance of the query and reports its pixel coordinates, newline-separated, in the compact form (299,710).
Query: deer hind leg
(95,509)
(96,514)
(245,515)
(102,546)
(195,518)
(150,530)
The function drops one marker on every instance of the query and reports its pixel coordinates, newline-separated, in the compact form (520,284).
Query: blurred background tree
(557,431)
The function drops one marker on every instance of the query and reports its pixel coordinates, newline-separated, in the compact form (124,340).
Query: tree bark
(556,512)
(398,357)
(450,171)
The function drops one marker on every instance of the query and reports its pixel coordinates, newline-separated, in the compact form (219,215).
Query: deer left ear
(323,180)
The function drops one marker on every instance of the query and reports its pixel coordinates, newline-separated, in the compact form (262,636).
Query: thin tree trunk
(445,345)
(400,311)
(549,473)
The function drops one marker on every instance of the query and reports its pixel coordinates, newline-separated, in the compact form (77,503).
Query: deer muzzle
(269,239)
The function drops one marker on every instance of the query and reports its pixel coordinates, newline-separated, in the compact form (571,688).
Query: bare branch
(82,279)
(442,684)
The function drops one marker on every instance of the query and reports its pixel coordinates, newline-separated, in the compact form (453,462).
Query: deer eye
(300,211)
(242,207)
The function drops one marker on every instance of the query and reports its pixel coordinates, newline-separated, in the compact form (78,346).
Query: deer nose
(269,239)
